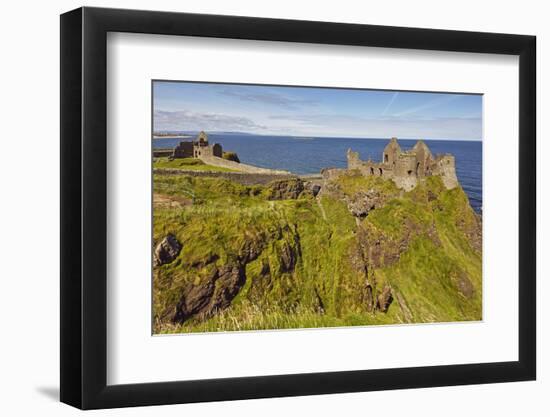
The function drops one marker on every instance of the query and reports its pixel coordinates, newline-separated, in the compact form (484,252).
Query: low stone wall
(245,178)
(224,163)
(160,153)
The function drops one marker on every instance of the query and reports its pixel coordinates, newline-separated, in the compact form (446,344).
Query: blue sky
(307,111)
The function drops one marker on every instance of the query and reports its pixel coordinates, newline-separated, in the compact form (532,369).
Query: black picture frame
(84,207)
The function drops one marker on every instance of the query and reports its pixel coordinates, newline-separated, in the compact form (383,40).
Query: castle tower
(424,158)
(200,145)
(353,159)
(391,152)
(202,138)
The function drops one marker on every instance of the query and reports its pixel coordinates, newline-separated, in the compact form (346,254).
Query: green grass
(354,182)
(189,164)
(227,218)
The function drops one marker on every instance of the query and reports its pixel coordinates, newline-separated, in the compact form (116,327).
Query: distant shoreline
(214,134)
(171,136)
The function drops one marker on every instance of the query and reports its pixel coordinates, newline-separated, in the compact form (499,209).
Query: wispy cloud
(429,105)
(390,103)
(318,119)
(269,98)
(316,111)
(384,126)
(188,120)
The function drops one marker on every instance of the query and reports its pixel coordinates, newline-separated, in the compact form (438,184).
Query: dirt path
(170,201)
(318,200)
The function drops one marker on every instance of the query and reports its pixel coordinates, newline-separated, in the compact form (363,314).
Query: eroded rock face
(463,284)
(384,299)
(288,258)
(380,250)
(230,280)
(195,299)
(312,187)
(368,296)
(167,250)
(362,202)
(473,230)
(211,296)
(261,284)
(214,291)
(286,189)
(407,314)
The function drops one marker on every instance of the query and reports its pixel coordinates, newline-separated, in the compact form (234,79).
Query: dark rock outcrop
(213,291)
(250,250)
(368,296)
(167,250)
(312,187)
(319,305)
(384,299)
(362,202)
(286,189)
(288,258)
(231,156)
(211,296)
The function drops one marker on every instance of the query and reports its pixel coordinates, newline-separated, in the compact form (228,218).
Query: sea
(308,155)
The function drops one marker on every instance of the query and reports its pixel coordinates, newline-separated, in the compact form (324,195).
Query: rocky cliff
(355,251)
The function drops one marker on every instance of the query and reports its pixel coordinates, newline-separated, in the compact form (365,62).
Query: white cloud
(187,120)
(269,98)
(404,127)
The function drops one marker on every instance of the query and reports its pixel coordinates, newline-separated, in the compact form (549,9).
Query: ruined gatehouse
(197,148)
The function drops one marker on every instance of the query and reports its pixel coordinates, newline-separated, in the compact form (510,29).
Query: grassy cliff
(361,252)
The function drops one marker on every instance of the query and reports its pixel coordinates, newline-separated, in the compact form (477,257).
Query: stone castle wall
(183,150)
(197,148)
(245,178)
(407,168)
(225,163)
(208,151)
(213,155)
(444,166)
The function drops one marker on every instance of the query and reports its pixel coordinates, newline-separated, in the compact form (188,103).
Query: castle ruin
(407,168)
(197,148)
(213,155)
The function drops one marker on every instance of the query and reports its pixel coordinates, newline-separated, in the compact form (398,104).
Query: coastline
(172,137)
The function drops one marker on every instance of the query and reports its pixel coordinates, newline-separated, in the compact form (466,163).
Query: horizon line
(319,137)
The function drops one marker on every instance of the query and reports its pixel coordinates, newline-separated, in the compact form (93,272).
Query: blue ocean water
(310,155)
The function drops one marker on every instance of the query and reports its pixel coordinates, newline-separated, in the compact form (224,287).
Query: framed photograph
(257,208)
